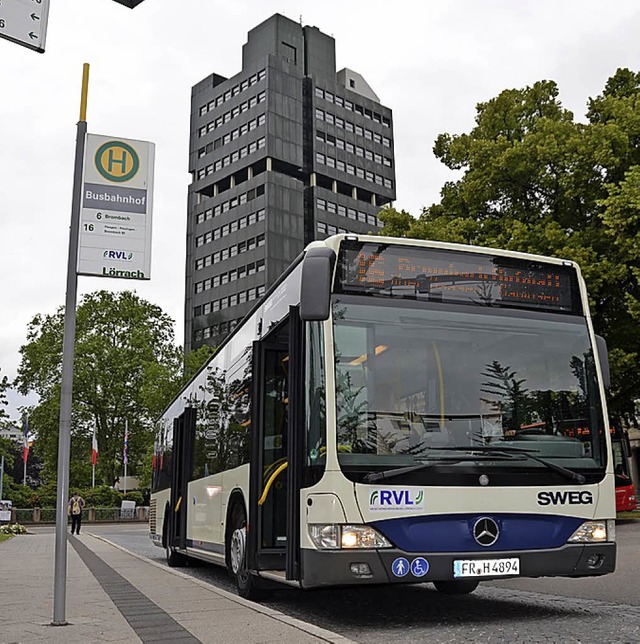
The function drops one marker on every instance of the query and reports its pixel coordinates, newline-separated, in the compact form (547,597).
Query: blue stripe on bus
(454,532)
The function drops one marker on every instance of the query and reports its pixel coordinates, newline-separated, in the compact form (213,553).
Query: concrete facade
(285,152)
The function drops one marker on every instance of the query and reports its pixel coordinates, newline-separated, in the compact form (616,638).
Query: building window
(289,53)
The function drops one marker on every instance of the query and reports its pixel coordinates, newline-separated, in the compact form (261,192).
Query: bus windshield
(422,382)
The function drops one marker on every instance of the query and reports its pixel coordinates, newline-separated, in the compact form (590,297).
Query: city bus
(396,411)
(626,500)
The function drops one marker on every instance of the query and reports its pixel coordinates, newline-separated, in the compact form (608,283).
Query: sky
(430,61)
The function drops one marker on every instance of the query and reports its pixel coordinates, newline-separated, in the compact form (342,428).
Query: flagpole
(126,452)
(93,460)
(25,447)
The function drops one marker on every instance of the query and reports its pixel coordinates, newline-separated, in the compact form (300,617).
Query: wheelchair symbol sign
(419,567)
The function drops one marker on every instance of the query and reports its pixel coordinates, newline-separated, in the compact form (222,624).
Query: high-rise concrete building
(285,152)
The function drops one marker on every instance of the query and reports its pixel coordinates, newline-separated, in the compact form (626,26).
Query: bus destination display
(457,277)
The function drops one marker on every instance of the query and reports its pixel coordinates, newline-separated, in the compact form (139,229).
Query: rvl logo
(396,499)
(118,254)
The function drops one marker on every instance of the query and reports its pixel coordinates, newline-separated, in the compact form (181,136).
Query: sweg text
(565,498)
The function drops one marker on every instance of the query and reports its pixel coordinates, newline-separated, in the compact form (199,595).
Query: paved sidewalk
(115,596)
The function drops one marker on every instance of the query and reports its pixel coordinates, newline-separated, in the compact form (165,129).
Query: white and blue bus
(396,411)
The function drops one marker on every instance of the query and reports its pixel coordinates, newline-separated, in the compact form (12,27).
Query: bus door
(183,440)
(272,535)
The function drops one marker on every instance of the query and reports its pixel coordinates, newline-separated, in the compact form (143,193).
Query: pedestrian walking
(76,503)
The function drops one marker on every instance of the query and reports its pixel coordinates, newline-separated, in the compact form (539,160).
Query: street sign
(5,510)
(25,22)
(132,4)
(115,220)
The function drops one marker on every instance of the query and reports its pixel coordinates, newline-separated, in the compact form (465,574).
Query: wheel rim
(238,543)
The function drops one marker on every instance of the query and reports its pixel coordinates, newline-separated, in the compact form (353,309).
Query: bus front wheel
(246,583)
(174,559)
(456,586)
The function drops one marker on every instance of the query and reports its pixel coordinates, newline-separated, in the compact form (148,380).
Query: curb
(305,627)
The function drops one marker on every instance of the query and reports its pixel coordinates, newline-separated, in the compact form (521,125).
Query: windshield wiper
(380,476)
(486,454)
(508,450)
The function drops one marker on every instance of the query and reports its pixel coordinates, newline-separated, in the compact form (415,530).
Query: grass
(628,515)
(5,537)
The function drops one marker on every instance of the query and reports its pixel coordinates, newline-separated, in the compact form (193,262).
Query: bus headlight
(335,536)
(594,532)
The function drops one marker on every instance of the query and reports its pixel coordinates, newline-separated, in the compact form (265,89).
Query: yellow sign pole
(84,92)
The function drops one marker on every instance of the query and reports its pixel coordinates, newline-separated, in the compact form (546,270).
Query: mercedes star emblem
(486,531)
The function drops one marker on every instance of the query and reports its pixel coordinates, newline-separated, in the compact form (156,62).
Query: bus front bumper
(347,567)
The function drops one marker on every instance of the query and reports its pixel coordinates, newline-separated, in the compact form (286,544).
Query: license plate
(485,567)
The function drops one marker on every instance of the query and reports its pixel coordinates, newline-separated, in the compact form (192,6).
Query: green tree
(5,421)
(127,368)
(533,179)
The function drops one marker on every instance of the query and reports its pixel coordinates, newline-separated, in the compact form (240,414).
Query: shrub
(12,528)
(44,497)
(101,496)
(19,494)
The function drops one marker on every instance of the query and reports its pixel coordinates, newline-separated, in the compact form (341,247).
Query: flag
(94,448)
(25,440)
(125,458)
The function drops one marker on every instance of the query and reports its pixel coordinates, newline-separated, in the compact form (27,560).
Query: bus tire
(456,586)
(174,559)
(247,583)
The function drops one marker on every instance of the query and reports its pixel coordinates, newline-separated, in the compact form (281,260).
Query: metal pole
(25,439)
(93,465)
(68,347)
(126,459)
(1,474)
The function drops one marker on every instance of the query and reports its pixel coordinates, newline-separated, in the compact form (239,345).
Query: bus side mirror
(315,284)
(603,354)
